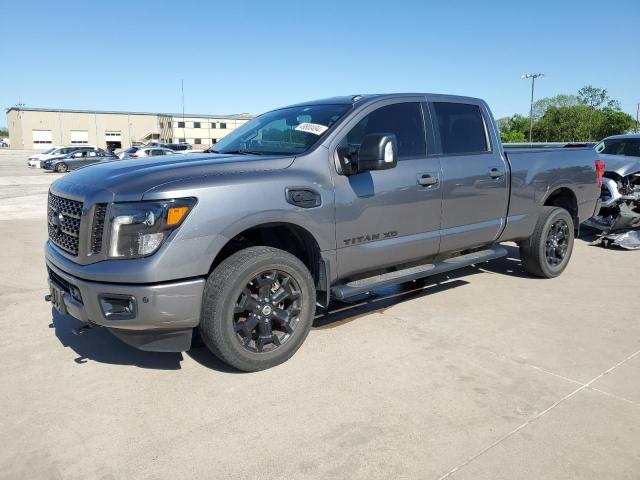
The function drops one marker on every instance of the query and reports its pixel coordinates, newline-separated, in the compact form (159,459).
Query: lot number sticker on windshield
(314,128)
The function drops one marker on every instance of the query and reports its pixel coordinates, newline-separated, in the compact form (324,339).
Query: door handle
(427,180)
(496,173)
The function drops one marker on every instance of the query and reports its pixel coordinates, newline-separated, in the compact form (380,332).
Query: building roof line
(238,116)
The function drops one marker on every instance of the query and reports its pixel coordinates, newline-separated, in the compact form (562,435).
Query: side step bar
(358,287)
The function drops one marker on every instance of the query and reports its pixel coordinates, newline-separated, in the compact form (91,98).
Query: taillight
(600,166)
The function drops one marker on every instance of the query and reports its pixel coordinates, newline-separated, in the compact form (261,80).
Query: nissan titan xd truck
(323,200)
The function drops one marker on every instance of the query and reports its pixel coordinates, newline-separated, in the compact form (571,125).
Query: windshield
(282,132)
(629,147)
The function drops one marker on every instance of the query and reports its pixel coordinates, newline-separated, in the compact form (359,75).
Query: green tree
(595,97)
(561,124)
(513,137)
(611,121)
(514,128)
(4,132)
(541,106)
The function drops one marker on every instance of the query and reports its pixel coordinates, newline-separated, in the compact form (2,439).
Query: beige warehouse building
(41,128)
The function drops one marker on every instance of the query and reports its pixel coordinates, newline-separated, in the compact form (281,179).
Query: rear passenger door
(475,175)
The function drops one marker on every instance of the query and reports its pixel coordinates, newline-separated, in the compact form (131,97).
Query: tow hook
(82,330)
(47,298)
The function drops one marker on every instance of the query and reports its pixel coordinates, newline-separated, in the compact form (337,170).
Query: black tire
(62,167)
(222,327)
(547,252)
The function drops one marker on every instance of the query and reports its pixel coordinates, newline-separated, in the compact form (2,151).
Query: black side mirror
(378,151)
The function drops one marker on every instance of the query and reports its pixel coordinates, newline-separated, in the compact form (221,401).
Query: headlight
(138,229)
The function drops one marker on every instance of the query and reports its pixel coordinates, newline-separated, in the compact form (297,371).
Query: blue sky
(245,56)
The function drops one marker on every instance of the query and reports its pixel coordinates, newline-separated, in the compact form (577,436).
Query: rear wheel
(258,307)
(62,167)
(547,252)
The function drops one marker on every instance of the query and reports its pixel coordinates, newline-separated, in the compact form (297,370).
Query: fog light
(75,293)
(118,307)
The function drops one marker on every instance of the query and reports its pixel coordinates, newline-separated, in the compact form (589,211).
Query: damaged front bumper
(619,215)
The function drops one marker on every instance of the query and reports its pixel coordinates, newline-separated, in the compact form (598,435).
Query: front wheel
(62,167)
(257,308)
(547,252)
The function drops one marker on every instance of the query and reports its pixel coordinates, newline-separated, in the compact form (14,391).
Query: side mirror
(378,151)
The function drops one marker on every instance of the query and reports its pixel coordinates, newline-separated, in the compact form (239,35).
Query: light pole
(533,77)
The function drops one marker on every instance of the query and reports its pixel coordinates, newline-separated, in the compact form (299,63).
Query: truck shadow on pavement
(377,301)
(99,345)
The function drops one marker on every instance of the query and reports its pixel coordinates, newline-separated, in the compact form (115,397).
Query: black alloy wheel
(547,251)
(258,306)
(266,312)
(557,242)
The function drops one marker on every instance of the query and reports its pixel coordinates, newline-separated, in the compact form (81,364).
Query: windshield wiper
(242,152)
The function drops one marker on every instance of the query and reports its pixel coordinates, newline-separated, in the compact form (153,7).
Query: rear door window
(461,127)
(402,119)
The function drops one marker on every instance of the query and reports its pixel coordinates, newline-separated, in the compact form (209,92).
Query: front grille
(63,218)
(97,228)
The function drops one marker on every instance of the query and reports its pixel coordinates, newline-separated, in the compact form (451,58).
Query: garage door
(79,137)
(113,136)
(41,138)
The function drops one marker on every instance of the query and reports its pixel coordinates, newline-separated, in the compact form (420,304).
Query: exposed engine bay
(619,216)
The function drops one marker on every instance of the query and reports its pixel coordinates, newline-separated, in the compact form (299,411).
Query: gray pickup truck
(320,200)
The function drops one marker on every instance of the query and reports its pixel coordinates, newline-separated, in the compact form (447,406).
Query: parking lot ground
(486,373)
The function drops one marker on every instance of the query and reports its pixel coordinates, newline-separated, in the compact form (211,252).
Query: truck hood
(623,165)
(128,180)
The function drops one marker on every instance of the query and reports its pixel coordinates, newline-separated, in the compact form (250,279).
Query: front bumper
(163,316)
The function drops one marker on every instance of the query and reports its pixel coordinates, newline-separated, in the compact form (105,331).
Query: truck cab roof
(361,99)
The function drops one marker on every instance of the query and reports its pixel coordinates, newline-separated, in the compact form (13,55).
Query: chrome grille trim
(97,227)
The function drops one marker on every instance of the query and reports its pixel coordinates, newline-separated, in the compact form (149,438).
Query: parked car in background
(35,160)
(177,147)
(147,151)
(5,142)
(320,200)
(77,159)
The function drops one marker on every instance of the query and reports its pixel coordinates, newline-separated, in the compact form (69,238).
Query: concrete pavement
(486,373)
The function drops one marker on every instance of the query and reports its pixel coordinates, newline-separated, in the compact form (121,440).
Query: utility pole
(533,77)
(638,119)
(184,125)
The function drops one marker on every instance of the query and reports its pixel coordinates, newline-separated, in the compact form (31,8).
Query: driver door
(388,217)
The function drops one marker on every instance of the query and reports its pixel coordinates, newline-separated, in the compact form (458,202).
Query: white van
(36,159)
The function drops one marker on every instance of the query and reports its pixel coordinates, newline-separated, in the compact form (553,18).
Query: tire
(62,168)
(233,336)
(547,252)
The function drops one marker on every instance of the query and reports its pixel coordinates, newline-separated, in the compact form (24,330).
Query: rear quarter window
(461,127)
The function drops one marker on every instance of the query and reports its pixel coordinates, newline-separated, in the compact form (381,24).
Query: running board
(358,287)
